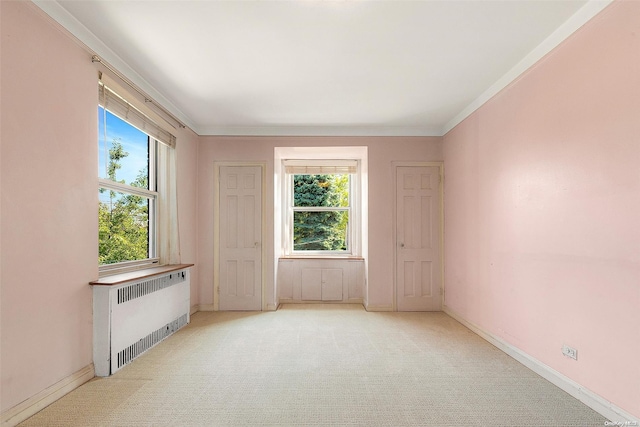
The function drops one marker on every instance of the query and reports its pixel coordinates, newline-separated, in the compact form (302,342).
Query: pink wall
(382,151)
(187,165)
(49,230)
(542,208)
(49,199)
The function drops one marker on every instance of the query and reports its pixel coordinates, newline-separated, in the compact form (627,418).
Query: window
(321,207)
(129,204)
(127,192)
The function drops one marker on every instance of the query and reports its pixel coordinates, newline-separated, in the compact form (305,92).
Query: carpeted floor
(312,365)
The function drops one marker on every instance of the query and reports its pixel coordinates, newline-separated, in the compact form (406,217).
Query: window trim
(151,194)
(291,167)
(351,152)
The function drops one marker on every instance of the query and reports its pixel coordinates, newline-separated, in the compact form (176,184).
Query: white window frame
(150,194)
(116,104)
(292,167)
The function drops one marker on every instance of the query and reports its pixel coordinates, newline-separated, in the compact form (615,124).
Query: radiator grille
(141,289)
(134,350)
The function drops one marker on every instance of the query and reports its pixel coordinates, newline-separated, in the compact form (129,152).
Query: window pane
(123,151)
(321,190)
(320,231)
(123,227)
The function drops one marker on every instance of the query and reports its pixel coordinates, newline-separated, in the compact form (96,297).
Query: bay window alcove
(320,223)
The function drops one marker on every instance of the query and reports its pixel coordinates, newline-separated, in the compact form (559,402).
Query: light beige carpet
(310,365)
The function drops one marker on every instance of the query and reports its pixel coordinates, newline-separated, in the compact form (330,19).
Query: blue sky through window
(134,142)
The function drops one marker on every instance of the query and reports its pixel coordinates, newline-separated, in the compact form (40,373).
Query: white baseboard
(194,309)
(370,307)
(586,396)
(210,307)
(13,416)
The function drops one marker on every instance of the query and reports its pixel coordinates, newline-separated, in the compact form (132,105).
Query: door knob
(402,245)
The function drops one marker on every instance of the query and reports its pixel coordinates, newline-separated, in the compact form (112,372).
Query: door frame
(394,168)
(216,229)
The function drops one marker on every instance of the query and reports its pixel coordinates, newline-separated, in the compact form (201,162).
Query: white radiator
(131,317)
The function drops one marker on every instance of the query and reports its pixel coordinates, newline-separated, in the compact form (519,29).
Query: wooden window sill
(130,276)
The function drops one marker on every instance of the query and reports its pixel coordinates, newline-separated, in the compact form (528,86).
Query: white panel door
(418,257)
(240,238)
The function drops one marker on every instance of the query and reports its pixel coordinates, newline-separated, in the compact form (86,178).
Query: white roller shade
(315,167)
(118,106)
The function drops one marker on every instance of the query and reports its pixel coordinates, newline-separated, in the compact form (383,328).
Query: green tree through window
(320,212)
(123,218)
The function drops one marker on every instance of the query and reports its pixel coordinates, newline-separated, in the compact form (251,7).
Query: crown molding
(300,130)
(571,25)
(97,47)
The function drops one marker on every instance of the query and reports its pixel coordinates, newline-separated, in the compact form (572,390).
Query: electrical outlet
(570,352)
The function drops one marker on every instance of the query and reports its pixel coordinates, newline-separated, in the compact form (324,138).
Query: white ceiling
(321,67)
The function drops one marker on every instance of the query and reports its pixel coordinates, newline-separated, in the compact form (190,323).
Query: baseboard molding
(586,396)
(211,307)
(13,416)
(316,302)
(194,309)
(370,307)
